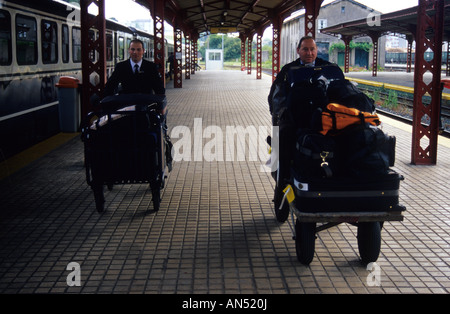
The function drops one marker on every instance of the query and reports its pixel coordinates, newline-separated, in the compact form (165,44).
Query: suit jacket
(147,81)
(282,76)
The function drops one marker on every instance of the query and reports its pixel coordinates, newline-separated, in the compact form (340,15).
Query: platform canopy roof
(243,16)
(402,23)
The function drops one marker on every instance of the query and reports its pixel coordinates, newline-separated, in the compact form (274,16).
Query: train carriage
(40,41)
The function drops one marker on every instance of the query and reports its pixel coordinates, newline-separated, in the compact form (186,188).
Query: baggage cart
(124,143)
(322,203)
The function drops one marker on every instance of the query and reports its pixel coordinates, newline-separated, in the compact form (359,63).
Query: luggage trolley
(124,143)
(339,177)
(365,203)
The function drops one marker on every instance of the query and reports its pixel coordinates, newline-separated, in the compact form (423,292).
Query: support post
(258,56)
(94,71)
(249,55)
(194,49)
(311,13)
(409,54)
(158,22)
(187,51)
(347,40)
(178,51)
(426,117)
(375,38)
(243,40)
(277,24)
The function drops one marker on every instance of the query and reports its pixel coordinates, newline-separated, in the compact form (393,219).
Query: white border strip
(28,111)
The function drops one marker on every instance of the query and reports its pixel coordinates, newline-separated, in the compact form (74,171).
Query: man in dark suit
(139,76)
(285,117)
(307,51)
(136,75)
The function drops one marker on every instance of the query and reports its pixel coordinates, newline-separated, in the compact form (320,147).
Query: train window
(49,47)
(26,40)
(121,48)
(92,39)
(109,47)
(76,44)
(146,49)
(65,43)
(5,38)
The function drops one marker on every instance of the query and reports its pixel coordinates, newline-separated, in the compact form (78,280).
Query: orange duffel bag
(337,117)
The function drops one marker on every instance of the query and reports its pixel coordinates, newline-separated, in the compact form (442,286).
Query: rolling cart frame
(124,143)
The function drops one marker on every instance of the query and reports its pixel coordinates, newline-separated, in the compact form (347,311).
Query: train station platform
(216,231)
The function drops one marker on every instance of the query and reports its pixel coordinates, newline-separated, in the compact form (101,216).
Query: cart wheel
(156,198)
(369,241)
(305,238)
(99,198)
(282,213)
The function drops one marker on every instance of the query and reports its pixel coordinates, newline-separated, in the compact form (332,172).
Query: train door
(109,54)
(127,45)
(341,58)
(120,56)
(361,58)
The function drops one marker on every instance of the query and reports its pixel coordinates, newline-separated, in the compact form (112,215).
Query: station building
(331,48)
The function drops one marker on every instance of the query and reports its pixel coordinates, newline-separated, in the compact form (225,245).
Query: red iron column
(409,54)
(258,56)
(94,72)
(178,50)
(312,11)
(158,20)
(194,49)
(187,57)
(276,41)
(426,117)
(347,41)
(375,38)
(243,40)
(249,55)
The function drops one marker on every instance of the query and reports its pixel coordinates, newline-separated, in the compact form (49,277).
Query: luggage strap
(336,194)
(322,155)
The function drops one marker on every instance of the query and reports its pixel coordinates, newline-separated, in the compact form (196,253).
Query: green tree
(215,41)
(232,48)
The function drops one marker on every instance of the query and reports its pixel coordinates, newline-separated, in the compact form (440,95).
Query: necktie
(136,69)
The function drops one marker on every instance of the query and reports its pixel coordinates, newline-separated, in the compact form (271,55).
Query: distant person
(171,62)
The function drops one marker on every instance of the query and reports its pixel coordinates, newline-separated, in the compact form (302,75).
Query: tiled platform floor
(216,231)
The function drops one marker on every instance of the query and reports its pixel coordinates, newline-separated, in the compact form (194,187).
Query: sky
(128,10)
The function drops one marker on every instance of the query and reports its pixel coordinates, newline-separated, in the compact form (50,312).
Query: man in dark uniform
(307,51)
(136,75)
(289,119)
(139,76)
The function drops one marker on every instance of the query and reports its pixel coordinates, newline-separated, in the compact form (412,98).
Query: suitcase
(126,145)
(125,150)
(348,194)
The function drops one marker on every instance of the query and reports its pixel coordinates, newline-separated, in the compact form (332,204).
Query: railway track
(404,109)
